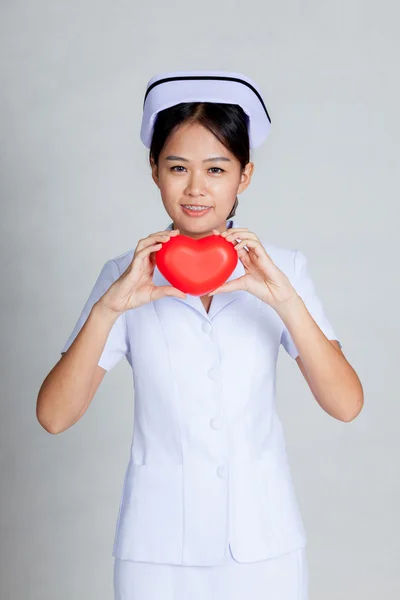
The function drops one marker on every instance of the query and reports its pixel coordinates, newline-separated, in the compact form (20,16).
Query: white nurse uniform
(208,508)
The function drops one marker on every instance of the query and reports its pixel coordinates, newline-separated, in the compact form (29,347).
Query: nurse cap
(167,89)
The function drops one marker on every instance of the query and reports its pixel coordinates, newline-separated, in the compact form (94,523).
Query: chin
(196,224)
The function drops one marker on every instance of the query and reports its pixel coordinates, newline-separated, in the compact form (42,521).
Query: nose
(196,185)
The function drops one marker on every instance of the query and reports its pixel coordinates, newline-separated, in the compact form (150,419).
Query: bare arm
(70,386)
(332,380)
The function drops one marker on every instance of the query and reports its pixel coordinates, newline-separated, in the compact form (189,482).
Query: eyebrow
(213,159)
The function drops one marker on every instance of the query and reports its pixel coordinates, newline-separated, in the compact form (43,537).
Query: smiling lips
(195,210)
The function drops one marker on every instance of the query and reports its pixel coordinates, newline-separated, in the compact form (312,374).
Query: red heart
(196,267)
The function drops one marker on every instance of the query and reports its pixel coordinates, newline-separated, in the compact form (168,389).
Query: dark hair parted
(228,122)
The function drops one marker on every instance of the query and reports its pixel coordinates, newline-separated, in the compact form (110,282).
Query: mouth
(195,210)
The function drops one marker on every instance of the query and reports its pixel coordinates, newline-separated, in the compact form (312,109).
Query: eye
(216,170)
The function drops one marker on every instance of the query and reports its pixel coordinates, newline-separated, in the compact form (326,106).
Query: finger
(142,255)
(242,252)
(234,230)
(158,234)
(148,250)
(255,245)
(230,286)
(151,239)
(240,236)
(165,231)
(244,258)
(167,290)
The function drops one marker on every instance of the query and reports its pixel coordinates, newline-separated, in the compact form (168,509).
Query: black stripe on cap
(208,77)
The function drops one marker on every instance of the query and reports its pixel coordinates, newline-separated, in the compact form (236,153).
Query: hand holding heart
(135,286)
(263,279)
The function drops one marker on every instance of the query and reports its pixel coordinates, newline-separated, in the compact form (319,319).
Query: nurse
(208,509)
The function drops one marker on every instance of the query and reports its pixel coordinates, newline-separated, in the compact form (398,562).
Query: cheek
(224,189)
(170,186)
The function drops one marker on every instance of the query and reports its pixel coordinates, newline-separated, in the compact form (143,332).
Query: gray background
(76,190)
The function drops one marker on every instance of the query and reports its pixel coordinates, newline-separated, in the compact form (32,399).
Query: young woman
(208,509)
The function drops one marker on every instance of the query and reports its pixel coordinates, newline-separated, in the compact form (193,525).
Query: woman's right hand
(135,286)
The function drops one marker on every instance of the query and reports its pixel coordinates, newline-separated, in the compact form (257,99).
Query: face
(195,169)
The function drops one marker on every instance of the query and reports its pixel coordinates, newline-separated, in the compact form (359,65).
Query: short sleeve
(305,287)
(117,344)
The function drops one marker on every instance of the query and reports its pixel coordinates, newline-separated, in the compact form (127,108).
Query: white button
(216,423)
(221,471)
(213,373)
(206,327)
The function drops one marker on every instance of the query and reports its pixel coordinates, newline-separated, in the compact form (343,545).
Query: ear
(154,171)
(245,177)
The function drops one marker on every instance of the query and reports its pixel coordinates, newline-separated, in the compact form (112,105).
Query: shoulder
(112,269)
(122,261)
(286,259)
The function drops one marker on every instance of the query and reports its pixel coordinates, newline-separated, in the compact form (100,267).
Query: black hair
(228,122)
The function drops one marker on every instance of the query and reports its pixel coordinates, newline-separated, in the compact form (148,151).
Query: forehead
(192,139)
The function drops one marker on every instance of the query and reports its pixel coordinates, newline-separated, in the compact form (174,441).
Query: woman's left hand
(263,279)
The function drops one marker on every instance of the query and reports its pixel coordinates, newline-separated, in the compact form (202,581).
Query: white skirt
(281,578)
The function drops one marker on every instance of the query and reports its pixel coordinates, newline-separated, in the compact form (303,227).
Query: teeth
(194,207)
